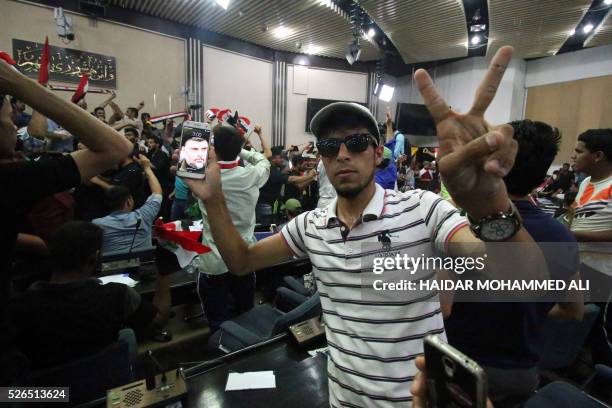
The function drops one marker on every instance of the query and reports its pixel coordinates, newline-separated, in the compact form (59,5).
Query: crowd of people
(80,184)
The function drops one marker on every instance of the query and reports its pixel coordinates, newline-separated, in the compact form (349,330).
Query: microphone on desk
(137,226)
(152,368)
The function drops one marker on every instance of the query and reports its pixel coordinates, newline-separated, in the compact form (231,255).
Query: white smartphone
(453,379)
(196,139)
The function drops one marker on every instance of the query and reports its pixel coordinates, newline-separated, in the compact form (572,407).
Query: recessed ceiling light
(572,32)
(312,49)
(475,40)
(588,28)
(371,32)
(282,32)
(607,2)
(223,3)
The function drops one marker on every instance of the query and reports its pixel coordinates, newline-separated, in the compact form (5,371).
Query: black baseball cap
(322,120)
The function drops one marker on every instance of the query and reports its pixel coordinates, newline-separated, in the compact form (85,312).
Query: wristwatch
(497,227)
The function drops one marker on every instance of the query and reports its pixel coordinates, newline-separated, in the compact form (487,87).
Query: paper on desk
(120,278)
(250,381)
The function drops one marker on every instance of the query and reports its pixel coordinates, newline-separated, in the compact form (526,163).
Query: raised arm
(474,157)
(38,128)
(266,149)
(112,96)
(389,123)
(239,257)
(145,163)
(305,179)
(105,147)
(117,112)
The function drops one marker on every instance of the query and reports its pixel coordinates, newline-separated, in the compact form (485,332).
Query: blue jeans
(178,209)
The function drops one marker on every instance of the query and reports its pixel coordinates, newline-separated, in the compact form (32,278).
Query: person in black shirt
(506,338)
(270,193)
(159,160)
(130,174)
(74,315)
(25,182)
(566,178)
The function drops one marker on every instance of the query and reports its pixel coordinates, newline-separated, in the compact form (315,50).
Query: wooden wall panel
(573,107)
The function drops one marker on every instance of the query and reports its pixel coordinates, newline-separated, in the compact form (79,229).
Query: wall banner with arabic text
(66,64)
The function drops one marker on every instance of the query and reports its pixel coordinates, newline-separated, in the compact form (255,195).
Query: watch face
(498,230)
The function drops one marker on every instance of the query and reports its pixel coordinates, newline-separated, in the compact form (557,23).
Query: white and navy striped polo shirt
(373,341)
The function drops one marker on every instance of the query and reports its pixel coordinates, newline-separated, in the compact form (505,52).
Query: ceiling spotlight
(281,32)
(353,53)
(371,32)
(571,33)
(476,28)
(588,28)
(386,93)
(607,2)
(223,3)
(475,40)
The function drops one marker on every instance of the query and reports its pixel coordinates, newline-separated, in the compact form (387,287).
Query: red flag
(7,58)
(43,72)
(82,89)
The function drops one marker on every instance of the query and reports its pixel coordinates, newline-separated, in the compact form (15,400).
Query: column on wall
(195,77)
(372,99)
(279,101)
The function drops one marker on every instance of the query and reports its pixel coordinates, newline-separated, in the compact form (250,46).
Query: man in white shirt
(127,119)
(592,227)
(241,189)
(327,193)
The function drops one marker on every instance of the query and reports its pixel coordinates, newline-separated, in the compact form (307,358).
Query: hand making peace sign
(473,155)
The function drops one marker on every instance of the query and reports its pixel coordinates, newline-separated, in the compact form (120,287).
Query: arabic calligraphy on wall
(66,64)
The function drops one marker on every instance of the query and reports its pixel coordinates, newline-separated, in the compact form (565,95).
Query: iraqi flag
(211,114)
(82,89)
(184,243)
(43,72)
(244,126)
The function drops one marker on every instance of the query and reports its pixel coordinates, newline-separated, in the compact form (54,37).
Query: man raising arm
(374,337)
(105,147)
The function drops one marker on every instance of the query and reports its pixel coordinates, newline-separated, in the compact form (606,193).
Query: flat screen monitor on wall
(414,119)
(314,105)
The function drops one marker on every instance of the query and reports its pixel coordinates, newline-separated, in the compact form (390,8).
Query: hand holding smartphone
(453,379)
(196,139)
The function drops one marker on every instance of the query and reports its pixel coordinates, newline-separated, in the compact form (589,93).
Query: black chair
(90,377)
(563,395)
(563,340)
(261,323)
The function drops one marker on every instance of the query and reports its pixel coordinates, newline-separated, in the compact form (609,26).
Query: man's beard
(351,192)
(196,165)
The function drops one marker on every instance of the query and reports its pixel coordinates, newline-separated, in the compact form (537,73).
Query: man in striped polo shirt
(374,339)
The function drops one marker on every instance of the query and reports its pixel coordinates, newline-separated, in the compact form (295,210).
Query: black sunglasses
(356,143)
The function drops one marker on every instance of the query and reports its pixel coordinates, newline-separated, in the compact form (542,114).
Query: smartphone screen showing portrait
(195,144)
